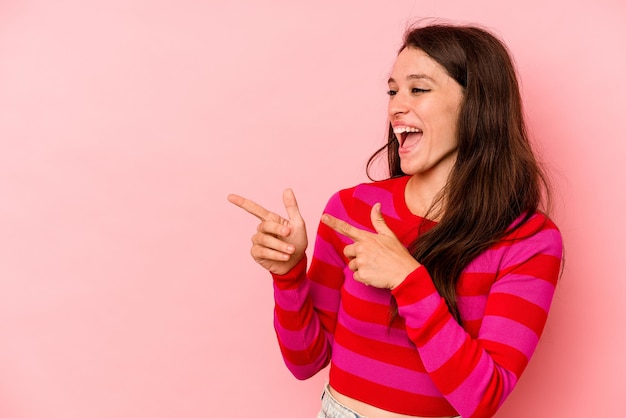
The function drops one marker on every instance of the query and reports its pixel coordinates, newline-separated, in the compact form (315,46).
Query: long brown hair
(496,177)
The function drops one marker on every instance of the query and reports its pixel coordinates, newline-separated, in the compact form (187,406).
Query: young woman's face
(424,105)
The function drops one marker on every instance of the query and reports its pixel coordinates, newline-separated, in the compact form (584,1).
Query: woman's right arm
(305,307)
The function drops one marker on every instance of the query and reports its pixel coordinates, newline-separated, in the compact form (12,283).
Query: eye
(391,92)
(416,90)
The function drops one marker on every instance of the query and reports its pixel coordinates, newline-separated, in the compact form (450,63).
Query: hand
(377,259)
(279,244)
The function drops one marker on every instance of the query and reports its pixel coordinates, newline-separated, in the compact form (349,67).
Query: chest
(366,310)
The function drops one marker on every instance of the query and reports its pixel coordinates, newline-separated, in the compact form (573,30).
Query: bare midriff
(368,410)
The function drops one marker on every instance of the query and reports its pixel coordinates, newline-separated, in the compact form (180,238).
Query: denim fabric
(331,408)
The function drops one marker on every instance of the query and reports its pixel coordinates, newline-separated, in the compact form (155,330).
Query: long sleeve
(476,373)
(306,305)
(423,363)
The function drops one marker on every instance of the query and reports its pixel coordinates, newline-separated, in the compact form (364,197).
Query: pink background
(126,289)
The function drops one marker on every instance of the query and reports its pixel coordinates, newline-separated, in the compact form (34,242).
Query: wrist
(292,276)
(406,272)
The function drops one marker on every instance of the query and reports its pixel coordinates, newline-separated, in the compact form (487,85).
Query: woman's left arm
(476,374)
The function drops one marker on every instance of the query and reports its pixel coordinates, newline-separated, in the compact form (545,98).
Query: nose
(397,104)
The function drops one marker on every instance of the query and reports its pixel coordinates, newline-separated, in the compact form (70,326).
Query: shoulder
(537,238)
(372,190)
(532,248)
(364,195)
(528,226)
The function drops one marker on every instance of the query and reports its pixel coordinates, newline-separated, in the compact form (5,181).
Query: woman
(427,292)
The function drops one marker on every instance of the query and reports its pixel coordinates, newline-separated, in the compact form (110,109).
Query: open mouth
(404,132)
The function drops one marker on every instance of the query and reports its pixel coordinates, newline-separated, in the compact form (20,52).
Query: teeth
(404,129)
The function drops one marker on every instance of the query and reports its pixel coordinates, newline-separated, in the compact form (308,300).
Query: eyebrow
(413,77)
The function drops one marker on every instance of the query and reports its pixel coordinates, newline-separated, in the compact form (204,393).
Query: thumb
(379,222)
(291,205)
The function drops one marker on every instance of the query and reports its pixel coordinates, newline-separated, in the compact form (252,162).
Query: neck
(422,194)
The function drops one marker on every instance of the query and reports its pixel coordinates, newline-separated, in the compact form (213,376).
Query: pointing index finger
(344,228)
(250,207)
